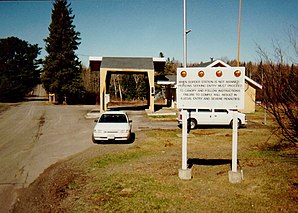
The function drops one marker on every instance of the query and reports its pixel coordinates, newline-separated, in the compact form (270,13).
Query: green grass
(127,193)
(116,158)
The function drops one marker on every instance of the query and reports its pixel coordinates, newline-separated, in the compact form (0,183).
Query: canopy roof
(136,63)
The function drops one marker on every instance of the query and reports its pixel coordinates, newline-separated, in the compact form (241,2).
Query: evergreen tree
(170,67)
(19,71)
(62,68)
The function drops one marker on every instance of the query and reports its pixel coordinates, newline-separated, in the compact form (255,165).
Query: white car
(112,125)
(211,117)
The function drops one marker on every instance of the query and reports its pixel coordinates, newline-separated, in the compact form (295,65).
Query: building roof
(137,63)
(218,63)
(253,83)
(127,63)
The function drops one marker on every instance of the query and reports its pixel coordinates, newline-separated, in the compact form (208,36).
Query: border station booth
(126,65)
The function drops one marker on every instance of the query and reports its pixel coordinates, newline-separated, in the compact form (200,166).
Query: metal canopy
(127,63)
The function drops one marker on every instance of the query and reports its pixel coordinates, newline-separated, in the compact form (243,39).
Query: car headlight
(124,131)
(98,131)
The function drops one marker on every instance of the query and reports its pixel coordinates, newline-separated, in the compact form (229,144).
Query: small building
(250,95)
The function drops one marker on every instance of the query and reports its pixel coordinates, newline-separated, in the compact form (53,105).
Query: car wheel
(193,123)
(238,124)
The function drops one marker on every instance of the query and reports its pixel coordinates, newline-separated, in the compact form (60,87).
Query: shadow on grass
(208,162)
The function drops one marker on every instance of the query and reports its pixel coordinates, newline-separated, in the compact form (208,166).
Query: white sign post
(184,172)
(184,139)
(211,87)
(234,141)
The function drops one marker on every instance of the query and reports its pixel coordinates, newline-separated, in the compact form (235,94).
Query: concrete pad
(235,177)
(184,174)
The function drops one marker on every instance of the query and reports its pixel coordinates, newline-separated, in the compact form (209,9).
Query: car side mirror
(95,121)
(130,121)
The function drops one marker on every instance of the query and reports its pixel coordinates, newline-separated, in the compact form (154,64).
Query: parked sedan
(112,125)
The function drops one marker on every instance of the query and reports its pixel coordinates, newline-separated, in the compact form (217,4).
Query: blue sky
(148,27)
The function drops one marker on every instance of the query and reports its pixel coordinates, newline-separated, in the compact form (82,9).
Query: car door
(221,117)
(204,116)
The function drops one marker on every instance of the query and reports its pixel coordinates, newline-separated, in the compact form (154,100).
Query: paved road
(35,135)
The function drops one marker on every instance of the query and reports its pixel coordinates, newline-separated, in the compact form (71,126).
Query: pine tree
(62,71)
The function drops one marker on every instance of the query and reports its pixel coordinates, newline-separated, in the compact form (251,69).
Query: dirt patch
(46,193)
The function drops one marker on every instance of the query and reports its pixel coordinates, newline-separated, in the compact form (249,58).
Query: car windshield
(113,118)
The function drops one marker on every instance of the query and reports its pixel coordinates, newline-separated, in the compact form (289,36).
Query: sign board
(210,87)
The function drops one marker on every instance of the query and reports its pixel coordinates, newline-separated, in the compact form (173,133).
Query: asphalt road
(35,135)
